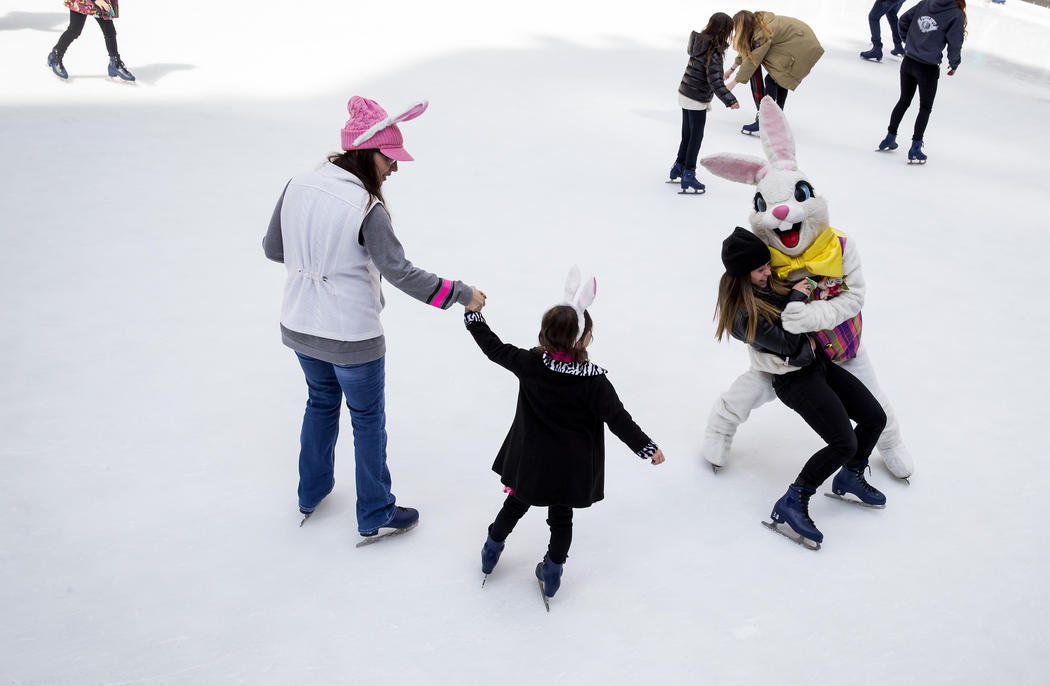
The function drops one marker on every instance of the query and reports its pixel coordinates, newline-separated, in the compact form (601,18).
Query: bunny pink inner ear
(739,168)
(412,112)
(776,135)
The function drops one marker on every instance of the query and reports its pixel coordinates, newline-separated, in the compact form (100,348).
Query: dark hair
(718,28)
(558,330)
(962,6)
(362,164)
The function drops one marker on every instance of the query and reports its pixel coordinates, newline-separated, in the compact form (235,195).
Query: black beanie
(743,252)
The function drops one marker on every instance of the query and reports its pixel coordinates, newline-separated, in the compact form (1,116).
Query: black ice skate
(791,518)
(405,519)
(852,483)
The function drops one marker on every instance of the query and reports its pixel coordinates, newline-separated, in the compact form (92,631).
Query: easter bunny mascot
(792,220)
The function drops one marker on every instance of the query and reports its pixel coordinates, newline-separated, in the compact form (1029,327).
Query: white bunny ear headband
(579,295)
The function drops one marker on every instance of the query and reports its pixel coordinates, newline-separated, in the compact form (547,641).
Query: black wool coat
(554,453)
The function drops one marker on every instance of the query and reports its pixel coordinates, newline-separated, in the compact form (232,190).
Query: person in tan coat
(785,46)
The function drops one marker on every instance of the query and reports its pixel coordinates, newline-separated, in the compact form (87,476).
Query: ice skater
(702,80)
(332,231)
(554,454)
(785,46)
(104,11)
(888,9)
(929,28)
(750,303)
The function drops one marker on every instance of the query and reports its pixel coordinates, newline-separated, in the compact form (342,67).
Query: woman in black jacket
(554,454)
(750,300)
(702,81)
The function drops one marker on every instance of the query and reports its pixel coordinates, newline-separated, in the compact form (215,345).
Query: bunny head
(786,213)
(579,295)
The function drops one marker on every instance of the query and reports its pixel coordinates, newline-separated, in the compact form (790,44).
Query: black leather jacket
(771,338)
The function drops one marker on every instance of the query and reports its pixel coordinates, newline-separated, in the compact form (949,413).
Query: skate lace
(863,482)
(804,502)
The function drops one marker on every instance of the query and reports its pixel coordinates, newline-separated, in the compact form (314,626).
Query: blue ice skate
(118,70)
(549,575)
(750,129)
(915,155)
(853,482)
(405,519)
(676,173)
(874,54)
(791,518)
(490,553)
(898,50)
(888,143)
(54,60)
(690,186)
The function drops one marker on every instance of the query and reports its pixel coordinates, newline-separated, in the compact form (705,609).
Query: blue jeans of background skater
(363,385)
(890,9)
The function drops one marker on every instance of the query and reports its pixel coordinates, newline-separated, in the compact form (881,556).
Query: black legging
(828,397)
(915,74)
(76,25)
(559,519)
(693,122)
(770,87)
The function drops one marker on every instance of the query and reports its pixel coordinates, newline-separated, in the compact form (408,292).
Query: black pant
(693,122)
(559,519)
(828,397)
(769,87)
(915,74)
(76,25)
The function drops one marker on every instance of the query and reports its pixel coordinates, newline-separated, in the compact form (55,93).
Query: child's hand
(658,457)
(477,300)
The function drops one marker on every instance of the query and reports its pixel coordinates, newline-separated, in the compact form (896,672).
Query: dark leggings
(559,519)
(887,8)
(828,397)
(769,87)
(693,122)
(915,74)
(76,25)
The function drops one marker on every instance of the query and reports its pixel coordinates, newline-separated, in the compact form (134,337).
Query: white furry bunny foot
(898,461)
(715,449)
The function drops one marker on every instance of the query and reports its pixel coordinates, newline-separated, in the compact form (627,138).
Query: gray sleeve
(389,257)
(273,242)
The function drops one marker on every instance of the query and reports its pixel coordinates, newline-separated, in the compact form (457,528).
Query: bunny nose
(781,212)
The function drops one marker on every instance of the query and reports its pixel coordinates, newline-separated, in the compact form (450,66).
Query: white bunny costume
(793,221)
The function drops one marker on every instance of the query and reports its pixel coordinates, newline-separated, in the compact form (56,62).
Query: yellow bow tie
(822,258)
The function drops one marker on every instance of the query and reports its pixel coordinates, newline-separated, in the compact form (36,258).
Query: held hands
(803,286)
(477,300)
(658,457)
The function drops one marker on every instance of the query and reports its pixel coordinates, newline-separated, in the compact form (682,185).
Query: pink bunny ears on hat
(370,127)
(579,295)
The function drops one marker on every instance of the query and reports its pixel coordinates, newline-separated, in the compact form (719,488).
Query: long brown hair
(735,292)
(719,27)
(962,6)
(558,330)
(749,28)
(362,164)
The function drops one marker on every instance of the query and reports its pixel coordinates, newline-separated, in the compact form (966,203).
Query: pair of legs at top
(693,123)
(364,388)
(889,9)
(915,75)
(759,88)
(116,68)
(828,397)
(559,519)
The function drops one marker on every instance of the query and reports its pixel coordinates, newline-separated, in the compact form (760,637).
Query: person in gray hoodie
(927,28)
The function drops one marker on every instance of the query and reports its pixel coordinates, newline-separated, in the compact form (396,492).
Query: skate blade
(692,192)
(543,594)
(916,161)
(714,468)
(379,537)
(886,149)
(484,579)
(854,501)
(748,133)
(674,181)
(789,533)
(305,517)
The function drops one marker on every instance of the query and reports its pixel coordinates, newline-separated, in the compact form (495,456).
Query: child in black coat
(554,454)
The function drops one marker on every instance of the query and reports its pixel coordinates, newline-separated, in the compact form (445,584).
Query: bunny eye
(760,202)
(803,191)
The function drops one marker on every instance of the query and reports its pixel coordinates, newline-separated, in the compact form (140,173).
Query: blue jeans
(364,386)
(890,9)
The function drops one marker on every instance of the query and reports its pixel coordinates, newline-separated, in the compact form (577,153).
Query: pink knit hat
(371,128)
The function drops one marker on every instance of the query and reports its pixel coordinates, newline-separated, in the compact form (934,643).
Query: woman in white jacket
(332,232)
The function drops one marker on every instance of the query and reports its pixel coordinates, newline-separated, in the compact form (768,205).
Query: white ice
(150,415)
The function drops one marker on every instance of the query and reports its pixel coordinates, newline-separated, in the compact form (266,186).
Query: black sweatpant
(769,87)
(76,25)
(828,397)
(559,519)
(915,74)
(693,122)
